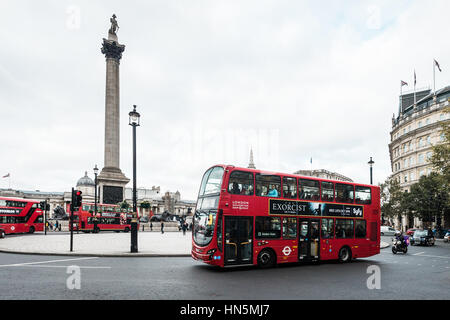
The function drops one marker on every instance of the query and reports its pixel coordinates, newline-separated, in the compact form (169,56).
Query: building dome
(85,181)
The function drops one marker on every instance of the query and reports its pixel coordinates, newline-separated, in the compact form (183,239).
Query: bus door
(309,237)
(238,240)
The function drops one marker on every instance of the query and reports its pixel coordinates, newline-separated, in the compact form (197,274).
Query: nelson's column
(111,180)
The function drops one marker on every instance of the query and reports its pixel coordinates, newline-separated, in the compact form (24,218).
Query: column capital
(112,49)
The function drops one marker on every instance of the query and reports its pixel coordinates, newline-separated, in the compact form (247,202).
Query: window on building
(420,142)
(419,125)
(267,227)
(427,121)
(405,163)
(268,185)
(344,228)
(420,159)
(428,140)
(406,178)
(290,188)
(308,189)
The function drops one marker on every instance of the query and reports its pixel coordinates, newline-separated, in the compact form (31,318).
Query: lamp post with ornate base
(134,118)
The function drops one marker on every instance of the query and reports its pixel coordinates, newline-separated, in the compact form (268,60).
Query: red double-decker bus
(253,217)
(20,216)
(109,218)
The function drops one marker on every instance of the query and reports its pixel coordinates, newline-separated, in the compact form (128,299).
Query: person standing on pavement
(162,226)
(56,225)
(184,227)
(151,226)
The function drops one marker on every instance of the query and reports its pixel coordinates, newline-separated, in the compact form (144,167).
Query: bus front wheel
(31,230)
(266,258)
(345,255)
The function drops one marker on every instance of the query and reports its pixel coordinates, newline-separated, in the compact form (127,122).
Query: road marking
(431,256)
(41,262)
(416,254)
(81,267)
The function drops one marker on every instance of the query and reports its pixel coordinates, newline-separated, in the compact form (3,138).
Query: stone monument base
(112,182)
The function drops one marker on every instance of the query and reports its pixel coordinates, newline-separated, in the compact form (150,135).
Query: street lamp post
(371,162)
(134,118)
(95,192)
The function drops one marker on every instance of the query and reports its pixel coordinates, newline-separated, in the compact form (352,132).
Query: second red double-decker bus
(253,217)
(20,216)
(109,218)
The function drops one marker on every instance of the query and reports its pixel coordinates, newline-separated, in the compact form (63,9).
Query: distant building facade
(149,201)
(415,131)
(323,174)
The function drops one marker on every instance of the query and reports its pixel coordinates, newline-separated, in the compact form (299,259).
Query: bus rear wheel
(31,230)
(345,255)
(266,258)
(126,229)
(2,234)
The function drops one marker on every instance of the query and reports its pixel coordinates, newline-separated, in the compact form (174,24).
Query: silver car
(387,231)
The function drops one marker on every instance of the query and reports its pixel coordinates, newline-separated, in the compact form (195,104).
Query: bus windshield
(204,227)
(207,204)
(211,182)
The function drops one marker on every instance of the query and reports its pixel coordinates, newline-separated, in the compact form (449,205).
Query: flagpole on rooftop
(414,87)
(434,77)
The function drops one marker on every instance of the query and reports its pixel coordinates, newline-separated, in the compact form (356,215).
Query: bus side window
(268,185)
(289,188)
(363,195)
(241,182)
(327,191)
(308,189)
(344,193)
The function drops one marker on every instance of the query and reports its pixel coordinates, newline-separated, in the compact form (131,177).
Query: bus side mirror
(210,218)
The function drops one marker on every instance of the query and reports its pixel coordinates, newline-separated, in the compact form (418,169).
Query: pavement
(106,244)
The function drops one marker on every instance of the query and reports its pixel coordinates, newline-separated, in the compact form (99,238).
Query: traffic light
(76,199)
(42,205)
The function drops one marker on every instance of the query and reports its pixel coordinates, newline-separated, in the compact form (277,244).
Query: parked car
(440,233)
(387,231)
(423,237)
(2,233)
(411,231)
(447,237)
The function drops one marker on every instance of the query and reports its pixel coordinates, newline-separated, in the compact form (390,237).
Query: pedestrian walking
(56,225)
(151,226)
(162,226)
(184,227)
(51,226)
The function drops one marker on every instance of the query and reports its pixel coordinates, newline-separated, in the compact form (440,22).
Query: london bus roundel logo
(13,228)
(287,250)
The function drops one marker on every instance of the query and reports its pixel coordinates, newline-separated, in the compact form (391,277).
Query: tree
(391,199)
(441,151)
(124,205)
(145,204)
(429,198)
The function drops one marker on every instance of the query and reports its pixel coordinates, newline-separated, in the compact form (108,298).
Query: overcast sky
(295,80)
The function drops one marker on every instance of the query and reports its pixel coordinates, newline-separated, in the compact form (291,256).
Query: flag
(414,77)
(403,83)
(310,161)
(6,176)
(437,65)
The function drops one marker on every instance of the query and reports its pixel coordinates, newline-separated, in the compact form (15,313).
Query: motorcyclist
(399,236)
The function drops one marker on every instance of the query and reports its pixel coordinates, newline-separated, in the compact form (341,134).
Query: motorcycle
(400,246)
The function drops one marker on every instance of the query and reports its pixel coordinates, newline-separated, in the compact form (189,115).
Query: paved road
(424,273)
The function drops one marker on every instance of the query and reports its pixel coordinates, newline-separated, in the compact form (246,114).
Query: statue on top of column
(114,25)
